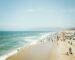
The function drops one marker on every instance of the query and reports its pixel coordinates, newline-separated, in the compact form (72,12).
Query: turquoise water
(10,40)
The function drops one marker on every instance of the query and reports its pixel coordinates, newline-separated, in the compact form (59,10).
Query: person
(71,43)
(70,50)
(67,53)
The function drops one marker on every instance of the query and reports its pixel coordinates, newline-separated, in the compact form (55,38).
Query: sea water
(11,40)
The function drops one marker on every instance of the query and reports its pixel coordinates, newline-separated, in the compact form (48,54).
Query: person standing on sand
(70,50)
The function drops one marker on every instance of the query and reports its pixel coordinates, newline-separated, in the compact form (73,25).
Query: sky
(29,14)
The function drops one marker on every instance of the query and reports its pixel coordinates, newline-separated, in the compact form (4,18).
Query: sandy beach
(60,49)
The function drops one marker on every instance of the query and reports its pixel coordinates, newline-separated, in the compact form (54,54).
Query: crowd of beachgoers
(66,37)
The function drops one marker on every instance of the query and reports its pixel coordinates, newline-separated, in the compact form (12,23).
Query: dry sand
(59,52)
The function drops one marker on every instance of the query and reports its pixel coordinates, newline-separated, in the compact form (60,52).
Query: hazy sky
(24,14)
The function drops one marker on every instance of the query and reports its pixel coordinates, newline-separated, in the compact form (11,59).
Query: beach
(62,48)
(37,29)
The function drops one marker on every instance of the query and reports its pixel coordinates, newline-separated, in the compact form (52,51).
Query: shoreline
(14,51)
(3,57)
(42,44)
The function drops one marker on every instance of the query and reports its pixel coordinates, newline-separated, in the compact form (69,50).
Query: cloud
(30,10)
(35,10)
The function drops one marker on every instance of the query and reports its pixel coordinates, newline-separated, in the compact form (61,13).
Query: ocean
(11,40)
